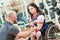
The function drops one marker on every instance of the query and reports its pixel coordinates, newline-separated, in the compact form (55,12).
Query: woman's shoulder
(40,16)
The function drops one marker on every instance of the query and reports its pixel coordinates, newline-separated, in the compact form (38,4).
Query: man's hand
(26,33)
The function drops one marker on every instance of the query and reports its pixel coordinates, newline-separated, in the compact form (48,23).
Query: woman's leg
(38,34)
(33,35)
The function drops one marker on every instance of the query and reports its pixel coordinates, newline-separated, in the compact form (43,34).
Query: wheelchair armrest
(50,22)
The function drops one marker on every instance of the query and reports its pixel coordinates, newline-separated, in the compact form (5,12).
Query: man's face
(15,18)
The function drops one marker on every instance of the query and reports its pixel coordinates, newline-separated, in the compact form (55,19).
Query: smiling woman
(36,14)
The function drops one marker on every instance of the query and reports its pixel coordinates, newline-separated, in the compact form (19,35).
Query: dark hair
(35,6)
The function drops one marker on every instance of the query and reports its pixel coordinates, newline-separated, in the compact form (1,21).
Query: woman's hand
(32,24)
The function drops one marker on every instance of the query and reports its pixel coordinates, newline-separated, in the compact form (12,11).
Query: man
(9,32)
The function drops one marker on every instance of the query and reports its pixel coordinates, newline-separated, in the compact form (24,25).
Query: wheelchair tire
(51,30)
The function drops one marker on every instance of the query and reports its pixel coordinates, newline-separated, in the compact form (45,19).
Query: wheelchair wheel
(51,32)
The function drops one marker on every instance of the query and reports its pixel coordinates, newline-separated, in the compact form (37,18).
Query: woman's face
(32,10)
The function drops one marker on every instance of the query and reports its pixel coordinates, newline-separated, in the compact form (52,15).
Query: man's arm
(26,33)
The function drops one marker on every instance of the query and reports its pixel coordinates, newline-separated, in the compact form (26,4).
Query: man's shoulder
(5,25)
(3,30)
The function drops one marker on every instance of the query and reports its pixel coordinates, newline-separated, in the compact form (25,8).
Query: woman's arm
(40,21)
(39,25)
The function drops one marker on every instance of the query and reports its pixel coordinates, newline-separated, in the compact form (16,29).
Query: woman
(36,15)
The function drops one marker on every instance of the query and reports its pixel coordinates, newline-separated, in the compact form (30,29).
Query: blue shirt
(8,31)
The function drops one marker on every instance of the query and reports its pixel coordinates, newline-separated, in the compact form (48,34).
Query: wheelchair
(50,32)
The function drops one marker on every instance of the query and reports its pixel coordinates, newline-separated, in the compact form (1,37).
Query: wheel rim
(52,33)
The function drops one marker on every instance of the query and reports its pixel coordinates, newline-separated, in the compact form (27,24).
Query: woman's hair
(35,6)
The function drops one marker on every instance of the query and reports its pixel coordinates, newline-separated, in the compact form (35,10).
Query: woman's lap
(36,34)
